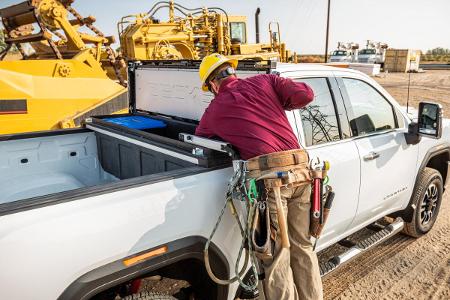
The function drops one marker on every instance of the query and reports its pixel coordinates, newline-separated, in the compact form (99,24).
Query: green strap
(252,192)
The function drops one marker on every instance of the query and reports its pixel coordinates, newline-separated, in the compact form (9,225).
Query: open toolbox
(166,104)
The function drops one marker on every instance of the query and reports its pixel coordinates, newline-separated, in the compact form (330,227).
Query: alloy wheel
(429,204)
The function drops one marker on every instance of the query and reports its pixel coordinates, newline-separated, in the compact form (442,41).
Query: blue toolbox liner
(137,122)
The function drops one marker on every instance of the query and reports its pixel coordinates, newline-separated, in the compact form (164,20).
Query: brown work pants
(293,273)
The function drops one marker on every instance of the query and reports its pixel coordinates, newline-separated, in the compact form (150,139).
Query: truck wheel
(149,296)
(427,198)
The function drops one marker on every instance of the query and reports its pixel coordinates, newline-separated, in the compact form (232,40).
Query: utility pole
(328,29)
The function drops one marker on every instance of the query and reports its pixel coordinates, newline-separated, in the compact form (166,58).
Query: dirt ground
(430,86)
(400,268)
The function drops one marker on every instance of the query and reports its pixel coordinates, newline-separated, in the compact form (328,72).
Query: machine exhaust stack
(258,10)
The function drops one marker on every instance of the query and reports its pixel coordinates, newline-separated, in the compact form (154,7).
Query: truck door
(386,160)
(324,133)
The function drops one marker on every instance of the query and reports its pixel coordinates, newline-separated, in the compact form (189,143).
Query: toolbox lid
(173,88)
(136,122)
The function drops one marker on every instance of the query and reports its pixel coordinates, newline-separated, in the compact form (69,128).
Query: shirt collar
(227,82)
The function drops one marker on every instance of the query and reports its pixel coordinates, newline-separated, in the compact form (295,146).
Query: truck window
(369,111)
(367,51)
(238,32)
(339,53)
(319,119)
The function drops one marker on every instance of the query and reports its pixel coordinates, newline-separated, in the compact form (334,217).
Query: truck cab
(341,56)
(370,56)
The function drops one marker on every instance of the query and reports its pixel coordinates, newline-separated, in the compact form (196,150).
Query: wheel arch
(117,272)
(438,158)
(439,162)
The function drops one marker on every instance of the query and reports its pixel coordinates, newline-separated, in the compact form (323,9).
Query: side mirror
(430,120)
(429,123)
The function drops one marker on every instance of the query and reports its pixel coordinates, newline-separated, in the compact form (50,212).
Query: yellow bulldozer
(61,78)
(194,33)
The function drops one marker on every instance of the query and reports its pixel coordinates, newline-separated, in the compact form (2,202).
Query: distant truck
(86,213)
(345,53)
(341,56)
(374,53)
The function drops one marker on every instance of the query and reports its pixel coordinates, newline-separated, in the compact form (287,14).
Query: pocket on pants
(302,194)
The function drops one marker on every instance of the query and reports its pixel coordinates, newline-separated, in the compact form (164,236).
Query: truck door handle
(371,156)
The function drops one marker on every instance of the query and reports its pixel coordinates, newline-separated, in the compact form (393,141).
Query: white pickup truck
(85,213)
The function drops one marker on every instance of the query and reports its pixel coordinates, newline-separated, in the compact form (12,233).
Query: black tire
(149,296)
(427,198)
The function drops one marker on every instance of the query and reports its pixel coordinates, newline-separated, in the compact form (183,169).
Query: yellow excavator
(194,33)
(61,78)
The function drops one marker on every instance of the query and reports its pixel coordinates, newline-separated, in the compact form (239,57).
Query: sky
(415,24)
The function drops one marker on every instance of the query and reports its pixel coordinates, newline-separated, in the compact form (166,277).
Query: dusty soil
(430,86)
(400,268)
(163,285)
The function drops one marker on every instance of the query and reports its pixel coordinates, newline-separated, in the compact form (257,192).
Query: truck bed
(49,164)
(106,153)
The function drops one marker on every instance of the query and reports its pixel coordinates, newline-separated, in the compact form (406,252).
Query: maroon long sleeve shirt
(250,114)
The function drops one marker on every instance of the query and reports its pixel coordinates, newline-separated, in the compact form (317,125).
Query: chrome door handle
(371,156)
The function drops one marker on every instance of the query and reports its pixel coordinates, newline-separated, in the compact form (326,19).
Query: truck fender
(119,271)
(434,152)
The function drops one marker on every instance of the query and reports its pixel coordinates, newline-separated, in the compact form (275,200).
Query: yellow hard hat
(210,63)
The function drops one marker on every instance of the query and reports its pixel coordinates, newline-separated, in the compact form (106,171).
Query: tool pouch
(315,228)
(260,233)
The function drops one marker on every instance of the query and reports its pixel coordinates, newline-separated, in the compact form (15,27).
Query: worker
(250,115)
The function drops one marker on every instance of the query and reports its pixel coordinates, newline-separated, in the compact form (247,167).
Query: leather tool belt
(294,162)
(294,165)
(297,157)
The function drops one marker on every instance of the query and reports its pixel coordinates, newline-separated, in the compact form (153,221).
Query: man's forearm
(300,96)
(292,95)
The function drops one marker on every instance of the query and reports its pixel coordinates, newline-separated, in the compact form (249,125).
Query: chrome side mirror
(430,120)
